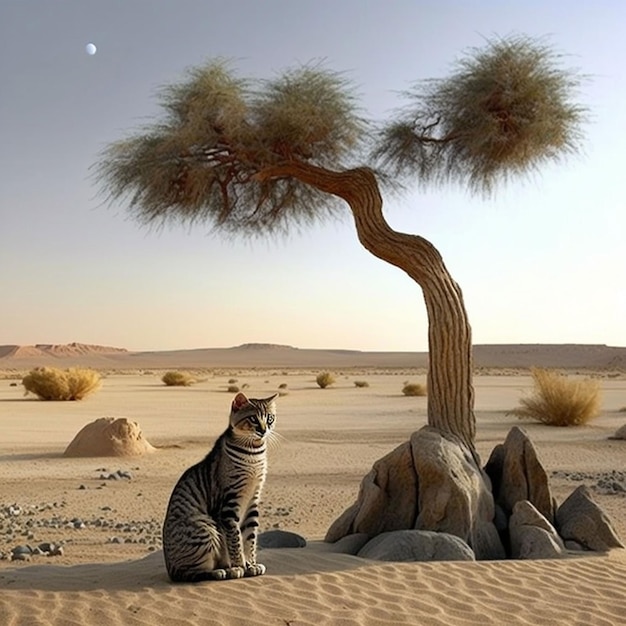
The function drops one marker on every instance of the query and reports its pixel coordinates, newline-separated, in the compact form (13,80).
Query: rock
(416,545)
(517,474)
(581,520)
(428,483)
(454,494)
(280,539)
(387,498)
(620,433)
(109,436)
(350,544)
(532,535)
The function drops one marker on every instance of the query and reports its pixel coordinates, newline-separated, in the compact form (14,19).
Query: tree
(257,157)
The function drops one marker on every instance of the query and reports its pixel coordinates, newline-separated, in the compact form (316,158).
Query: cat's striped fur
(211,523)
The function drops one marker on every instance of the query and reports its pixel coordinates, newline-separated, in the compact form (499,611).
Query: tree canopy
(504,110)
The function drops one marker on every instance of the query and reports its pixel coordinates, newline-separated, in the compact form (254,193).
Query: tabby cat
(211,524)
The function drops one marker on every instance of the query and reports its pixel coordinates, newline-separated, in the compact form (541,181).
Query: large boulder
(532,535)
(387,498)
(430,483)
(582,522)
(109,436)
(416,545)
(517,474)
(454,494)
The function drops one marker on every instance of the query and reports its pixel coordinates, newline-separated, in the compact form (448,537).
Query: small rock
(21,550)
(580,519)
(532,535)
(620,433)
(350,544)
(280,539)
(417,545)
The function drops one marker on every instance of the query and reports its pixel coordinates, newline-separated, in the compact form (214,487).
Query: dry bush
(50,383)
(282,386)
(233,389)
(361,383)
(559,401)
(232,381)
(324,379)
(178,379)
(414,389)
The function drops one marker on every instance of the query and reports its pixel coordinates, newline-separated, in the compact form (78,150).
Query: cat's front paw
(229,573)
(258,569)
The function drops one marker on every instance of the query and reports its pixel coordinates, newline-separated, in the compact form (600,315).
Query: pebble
(606,483)
(33,520)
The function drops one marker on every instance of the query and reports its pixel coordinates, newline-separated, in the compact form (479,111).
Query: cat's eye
(269,419)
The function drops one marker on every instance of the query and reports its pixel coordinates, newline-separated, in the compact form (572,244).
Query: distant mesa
(57,350)
(263,346)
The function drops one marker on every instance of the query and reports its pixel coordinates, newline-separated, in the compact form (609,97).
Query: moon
(90,49)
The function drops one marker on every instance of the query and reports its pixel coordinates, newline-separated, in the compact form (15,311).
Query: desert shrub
(50,383)
(414,389)
(361,383)
(282,386)
(233,389)
(324,379)
(178,379)
(232,381)
(623,409)
(560,401)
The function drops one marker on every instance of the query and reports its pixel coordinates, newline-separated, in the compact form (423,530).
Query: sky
(542,261)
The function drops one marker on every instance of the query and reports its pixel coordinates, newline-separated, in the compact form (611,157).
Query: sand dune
(330,439)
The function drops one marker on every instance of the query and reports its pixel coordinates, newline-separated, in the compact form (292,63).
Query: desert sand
(111,570)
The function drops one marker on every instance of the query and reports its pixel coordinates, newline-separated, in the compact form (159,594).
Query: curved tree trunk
(450,391)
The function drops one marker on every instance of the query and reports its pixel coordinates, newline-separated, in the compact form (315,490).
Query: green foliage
(199,160)
(218,150)
(414,389)
(325,379)
(559,401)
(361,383)
(50,383)
(505,110)
(178,379)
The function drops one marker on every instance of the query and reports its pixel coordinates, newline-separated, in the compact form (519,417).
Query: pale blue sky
(542,262)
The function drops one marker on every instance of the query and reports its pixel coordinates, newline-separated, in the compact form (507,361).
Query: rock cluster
(24,526)
(611,483)
(429,499)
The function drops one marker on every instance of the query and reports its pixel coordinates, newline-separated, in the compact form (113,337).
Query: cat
(212,518)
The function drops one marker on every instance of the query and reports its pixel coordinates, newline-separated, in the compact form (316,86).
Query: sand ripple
(312,587)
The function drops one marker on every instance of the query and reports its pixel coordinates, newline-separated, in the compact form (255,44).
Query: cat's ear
(272,398)
(239,402)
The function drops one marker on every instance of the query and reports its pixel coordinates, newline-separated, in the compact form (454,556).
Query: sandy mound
(109,436)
